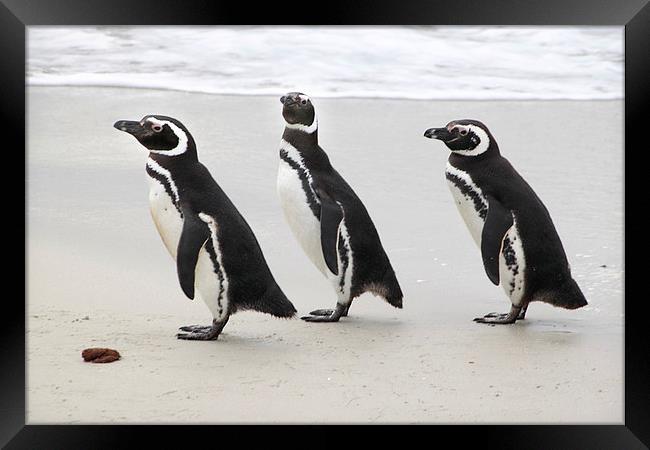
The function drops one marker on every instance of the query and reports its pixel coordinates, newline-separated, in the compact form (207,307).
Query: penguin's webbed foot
(494,314)
(330,318)
(493,318)
(198,336)
(327,315)
(500,319)
(328,312)
(197,328)
(201,332)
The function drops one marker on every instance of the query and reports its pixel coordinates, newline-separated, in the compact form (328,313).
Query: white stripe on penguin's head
(305,100)
(477,135)
(157,125)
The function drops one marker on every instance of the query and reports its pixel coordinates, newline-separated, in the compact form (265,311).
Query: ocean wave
(388,62)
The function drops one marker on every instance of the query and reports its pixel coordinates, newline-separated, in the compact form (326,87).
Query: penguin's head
(298,111)
(159,134)
(464,137)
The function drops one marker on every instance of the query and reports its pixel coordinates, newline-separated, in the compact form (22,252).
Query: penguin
(520,247)
(327,218)
(217,255)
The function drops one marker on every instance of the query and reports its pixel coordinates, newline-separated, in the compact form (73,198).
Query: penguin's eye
(304,102)
(156,128)
(463,132)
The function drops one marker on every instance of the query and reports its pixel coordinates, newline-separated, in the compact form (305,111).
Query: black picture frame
(15,15)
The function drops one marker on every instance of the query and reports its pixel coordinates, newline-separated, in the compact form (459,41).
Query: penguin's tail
(568,295)
(274,302)
(388,288)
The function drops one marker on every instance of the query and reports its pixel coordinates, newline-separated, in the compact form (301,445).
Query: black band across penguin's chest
(162,179)
(468,191)
(312,202)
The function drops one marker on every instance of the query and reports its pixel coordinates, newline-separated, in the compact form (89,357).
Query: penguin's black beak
(129,126)
(441,134)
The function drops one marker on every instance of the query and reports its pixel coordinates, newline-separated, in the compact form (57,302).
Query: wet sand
(98,274)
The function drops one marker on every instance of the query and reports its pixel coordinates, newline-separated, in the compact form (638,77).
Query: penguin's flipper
(194,235)
(497,224)
(331,215)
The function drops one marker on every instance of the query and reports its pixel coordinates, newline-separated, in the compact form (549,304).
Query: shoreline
(327,97)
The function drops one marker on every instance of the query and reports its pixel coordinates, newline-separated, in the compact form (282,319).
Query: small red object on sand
(100,355)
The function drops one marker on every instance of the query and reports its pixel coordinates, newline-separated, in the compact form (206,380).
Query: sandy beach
(98,274)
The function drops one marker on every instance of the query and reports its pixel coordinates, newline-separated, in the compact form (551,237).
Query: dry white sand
(98,274)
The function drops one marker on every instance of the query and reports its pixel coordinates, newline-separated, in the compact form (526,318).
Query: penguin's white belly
(301,219)
(512,265)
(211,278)
(207,283)
(469,199)
(345,262)
(473,207)
(165,216)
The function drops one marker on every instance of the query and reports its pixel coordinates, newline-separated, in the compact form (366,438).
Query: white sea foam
(392,62)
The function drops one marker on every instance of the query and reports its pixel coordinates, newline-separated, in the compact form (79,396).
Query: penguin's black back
(371,264)
(547,268)
(250,282)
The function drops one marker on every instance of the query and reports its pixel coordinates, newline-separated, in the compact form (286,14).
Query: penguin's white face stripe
(480,133)
(180,134)
(164,172)
(304,128)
